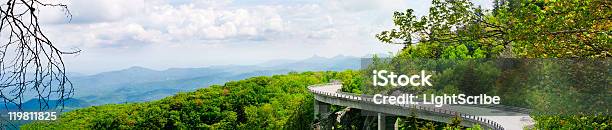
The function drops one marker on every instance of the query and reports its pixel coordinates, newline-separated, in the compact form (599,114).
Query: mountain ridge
(131,84)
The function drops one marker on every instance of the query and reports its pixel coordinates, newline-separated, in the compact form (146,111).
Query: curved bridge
(502,117)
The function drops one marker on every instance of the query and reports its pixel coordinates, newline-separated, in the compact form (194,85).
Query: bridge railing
(369,99)
(502,107)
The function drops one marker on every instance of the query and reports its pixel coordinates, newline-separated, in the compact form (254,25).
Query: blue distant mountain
(36,105)
(321,63)
(137,84)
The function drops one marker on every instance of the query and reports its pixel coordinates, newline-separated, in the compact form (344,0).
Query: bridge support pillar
(320,109)
(386,122)
(381,121)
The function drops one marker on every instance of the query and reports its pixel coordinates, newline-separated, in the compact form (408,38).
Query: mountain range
(137,84)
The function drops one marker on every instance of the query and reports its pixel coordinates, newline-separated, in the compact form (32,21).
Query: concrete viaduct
(498,118)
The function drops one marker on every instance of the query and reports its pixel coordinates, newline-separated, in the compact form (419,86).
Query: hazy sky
(160,34)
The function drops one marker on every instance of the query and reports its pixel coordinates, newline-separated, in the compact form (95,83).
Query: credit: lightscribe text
(385,78)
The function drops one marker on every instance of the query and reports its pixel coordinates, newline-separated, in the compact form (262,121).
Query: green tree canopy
(518,28)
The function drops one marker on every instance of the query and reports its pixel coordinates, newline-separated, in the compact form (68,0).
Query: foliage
(276,102)
(413,123)
(570,122)
(533,29)
(556,28)
(452,29)
(352,81)
(455,29)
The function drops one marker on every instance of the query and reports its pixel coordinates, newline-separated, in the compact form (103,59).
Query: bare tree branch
(31,66)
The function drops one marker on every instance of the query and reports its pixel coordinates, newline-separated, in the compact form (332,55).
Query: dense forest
(524,30)
(265,102)
(276,102)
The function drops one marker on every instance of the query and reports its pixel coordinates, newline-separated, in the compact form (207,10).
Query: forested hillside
(521,29)
(270,102)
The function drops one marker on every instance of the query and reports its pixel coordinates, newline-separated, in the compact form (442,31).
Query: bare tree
(31,66)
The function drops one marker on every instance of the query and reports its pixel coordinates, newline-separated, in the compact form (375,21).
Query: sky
(161,34)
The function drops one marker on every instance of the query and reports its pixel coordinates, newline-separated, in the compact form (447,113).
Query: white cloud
(187,22)
(165,24)
(366,5)
(191,33)
(163,34)
(92,11)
